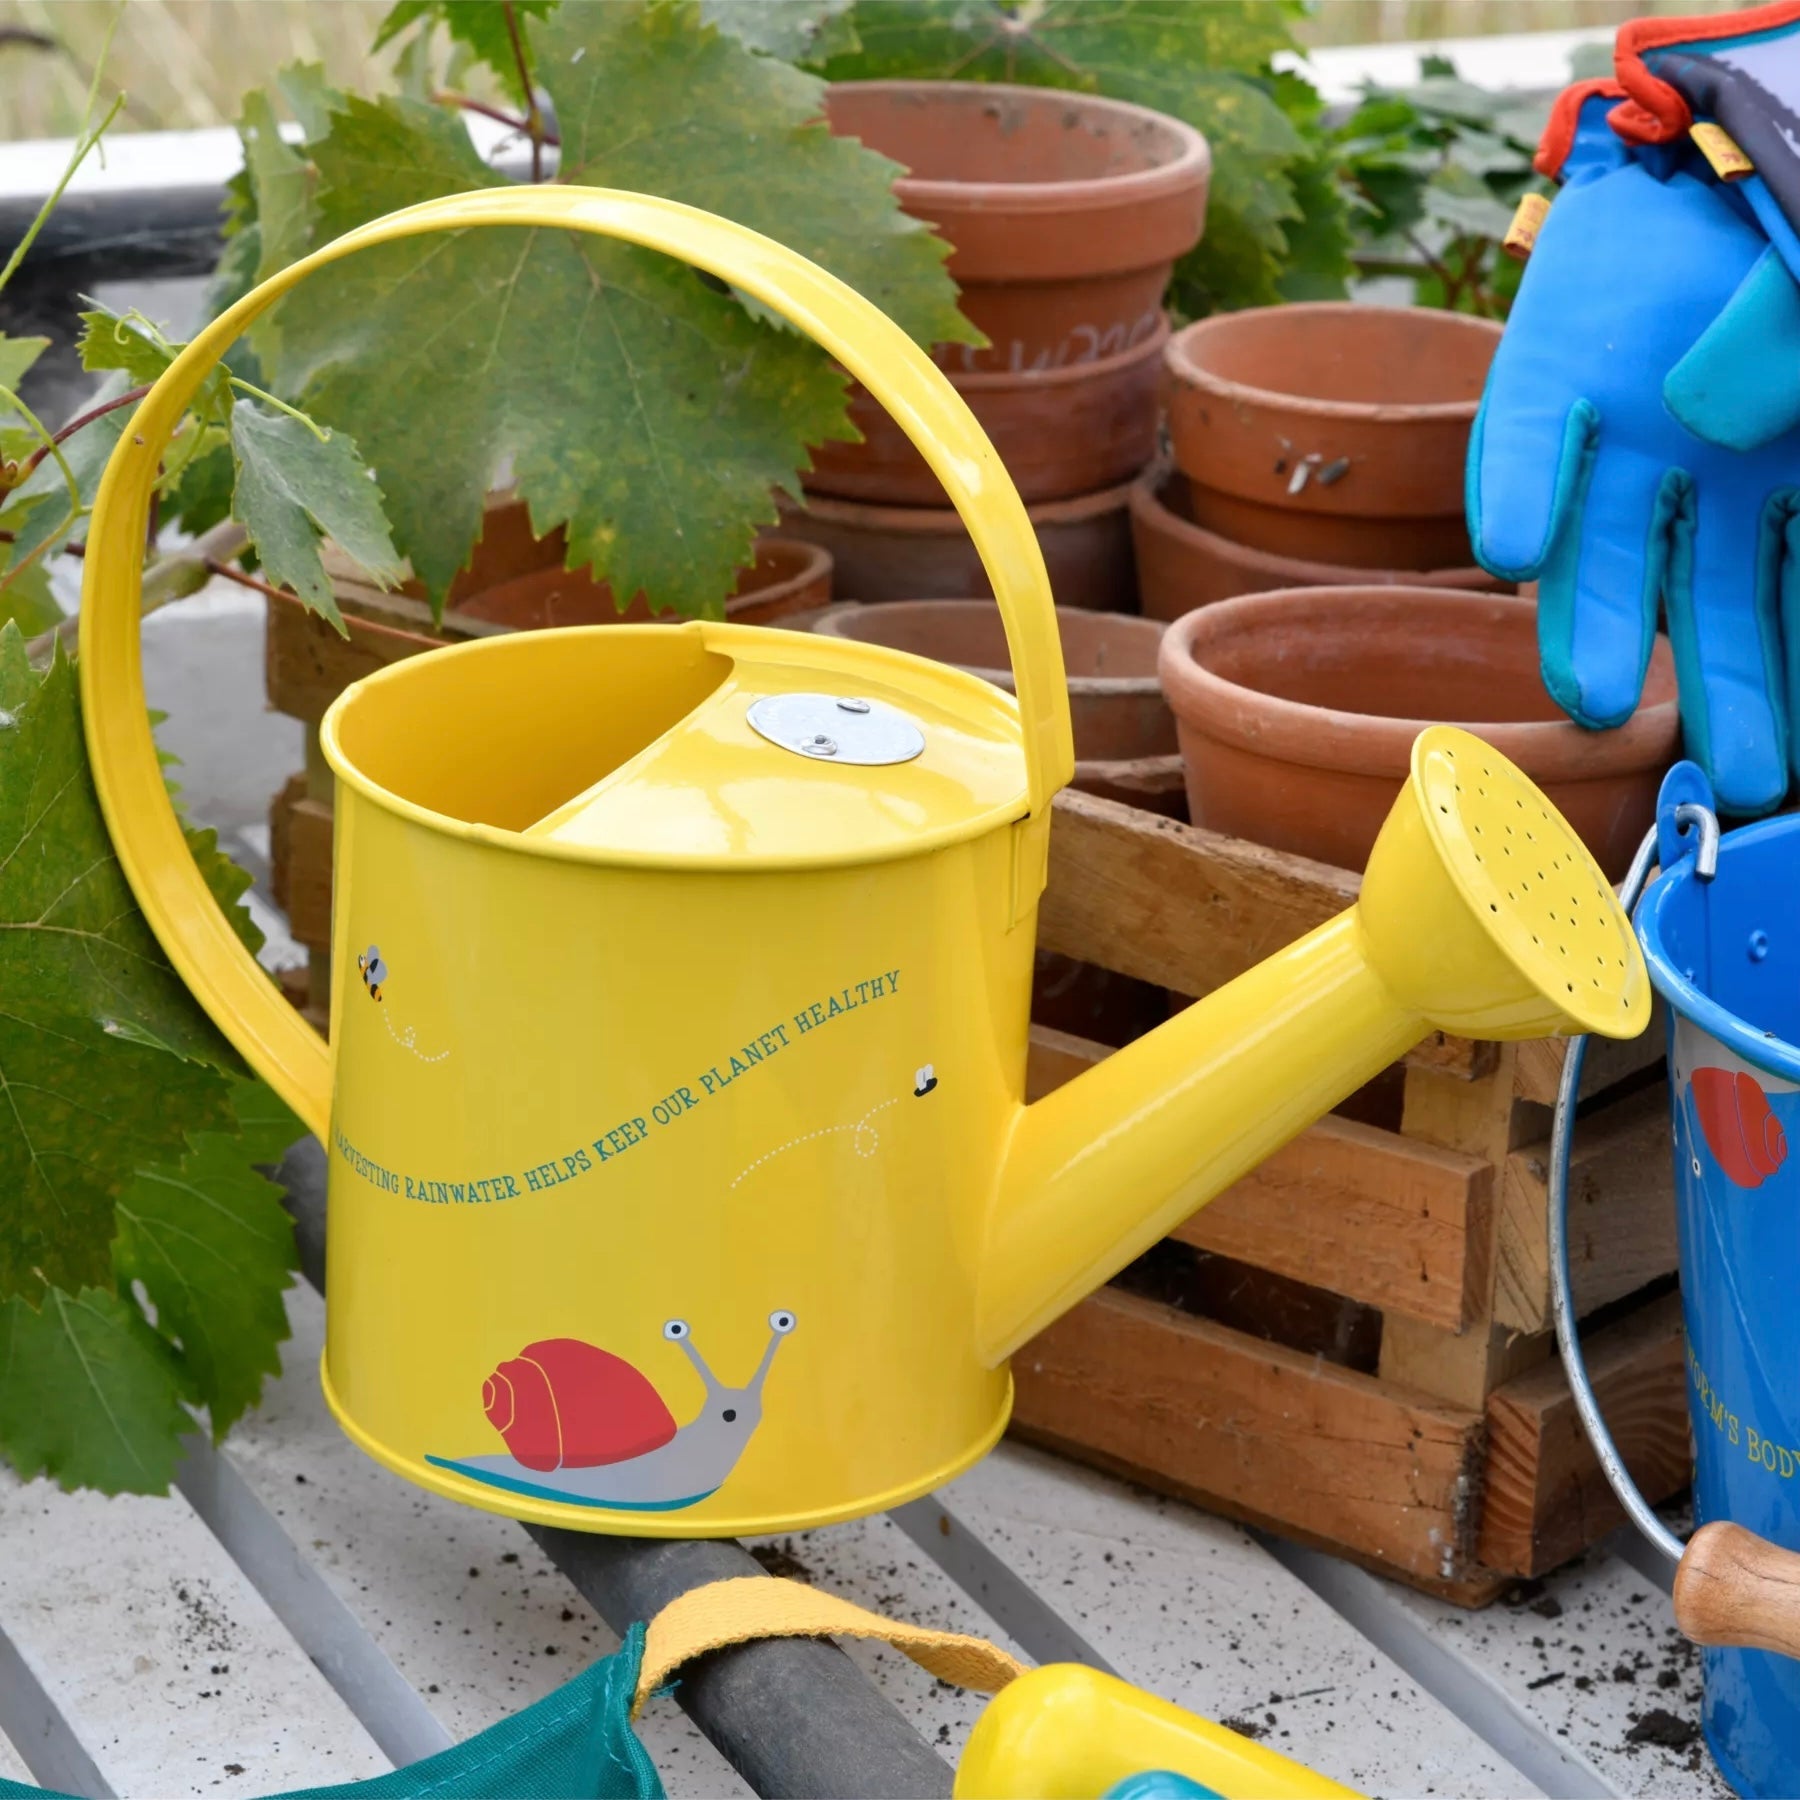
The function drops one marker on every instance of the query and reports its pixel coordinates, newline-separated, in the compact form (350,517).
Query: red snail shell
(1739,1127)
(563,1404)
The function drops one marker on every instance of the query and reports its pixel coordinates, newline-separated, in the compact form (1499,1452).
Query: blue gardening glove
(1580,476)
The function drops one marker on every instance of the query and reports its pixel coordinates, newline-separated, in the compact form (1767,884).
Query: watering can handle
(1731,1586)
(145,833)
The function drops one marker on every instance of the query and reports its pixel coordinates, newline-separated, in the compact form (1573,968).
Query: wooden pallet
(1352,1346)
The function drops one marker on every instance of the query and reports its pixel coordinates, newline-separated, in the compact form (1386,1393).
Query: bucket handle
(1731,1586)
(146,836)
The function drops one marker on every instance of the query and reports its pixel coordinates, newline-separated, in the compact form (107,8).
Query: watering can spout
(1480,914)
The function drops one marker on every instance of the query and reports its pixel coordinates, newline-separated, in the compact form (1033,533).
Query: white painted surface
(12,1764)
(464,1605)
(1529,59)
(1189,1607)
(1588,1656)
(164,1664)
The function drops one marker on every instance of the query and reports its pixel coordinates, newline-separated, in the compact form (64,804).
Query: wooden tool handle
(1732,1587)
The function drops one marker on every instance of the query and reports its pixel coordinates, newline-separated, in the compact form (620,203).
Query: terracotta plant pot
(1297,710)
(1066,211)
(1115,700)
(1331,431)
(518,581)
(787,577)
(1064,432)
(1181,565)
(884,553)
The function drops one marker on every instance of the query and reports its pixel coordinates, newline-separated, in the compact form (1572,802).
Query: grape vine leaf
(797,31)
(106,1062)
(17,354)
(28,601)
(295,486)
(89,1393)
(213,1248)
(650,414)
(478,25)
(1205,64)
(39,511)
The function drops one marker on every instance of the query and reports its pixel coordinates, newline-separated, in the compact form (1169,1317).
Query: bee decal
(374,971)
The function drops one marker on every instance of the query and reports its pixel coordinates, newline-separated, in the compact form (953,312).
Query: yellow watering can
(681,1180)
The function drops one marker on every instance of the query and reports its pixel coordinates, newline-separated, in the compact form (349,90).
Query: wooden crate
(1351,1346)
(1412,1414)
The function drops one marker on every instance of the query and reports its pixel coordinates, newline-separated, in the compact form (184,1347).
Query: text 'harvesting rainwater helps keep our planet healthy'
(626,1134)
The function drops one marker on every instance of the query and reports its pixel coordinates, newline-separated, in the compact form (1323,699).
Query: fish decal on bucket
(584,1426)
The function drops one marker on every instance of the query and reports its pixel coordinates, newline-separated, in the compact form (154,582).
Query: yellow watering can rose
(681,1180)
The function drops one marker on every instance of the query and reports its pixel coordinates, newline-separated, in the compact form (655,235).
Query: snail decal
(582,1425)
(1727,1104)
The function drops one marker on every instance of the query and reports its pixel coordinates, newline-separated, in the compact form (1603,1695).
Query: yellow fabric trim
(758,1606)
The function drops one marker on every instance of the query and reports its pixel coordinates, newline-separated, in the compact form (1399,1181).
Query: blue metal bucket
(1723,948)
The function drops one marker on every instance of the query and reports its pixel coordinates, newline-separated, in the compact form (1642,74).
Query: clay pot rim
(1148,509)
(1322,737)
(935,521)
(1097,687)
(1091,193)
(1100,368)
(1183,368)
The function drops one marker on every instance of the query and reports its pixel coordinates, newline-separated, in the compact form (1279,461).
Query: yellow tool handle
(145,833)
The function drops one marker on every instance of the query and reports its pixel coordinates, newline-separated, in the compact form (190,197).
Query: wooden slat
(1252,1428)
(1621,1213)
(307,664)
(1193,1610)
(1189,909)
(1361,1212)
(1544,1497)
(300,863)
(1609,1060)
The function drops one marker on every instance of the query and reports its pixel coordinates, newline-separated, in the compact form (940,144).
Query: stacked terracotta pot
(1313,445)
(1067,214)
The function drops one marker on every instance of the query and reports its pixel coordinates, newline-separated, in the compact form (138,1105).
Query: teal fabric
(1739,386)
(1160,1784)
(575,1744)
(1582,478)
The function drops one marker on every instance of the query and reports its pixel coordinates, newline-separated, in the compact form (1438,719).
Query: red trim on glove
(1653,112)
(1559,135)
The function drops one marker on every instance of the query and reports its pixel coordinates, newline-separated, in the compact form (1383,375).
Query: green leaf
(200,496)
(1318,243)
(1206,64)
(266,1127)
(106,1062)
(28,601)
(89,1394)
(295,486)
(17,354)
(227,882)
(111,340)
(797,31)
(478,25)
(282,180)
(648,413)
(53,522)
(208,1239)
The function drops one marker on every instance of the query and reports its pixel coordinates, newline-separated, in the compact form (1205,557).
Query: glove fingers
(1598,590)
(1529,457)
(1723,590)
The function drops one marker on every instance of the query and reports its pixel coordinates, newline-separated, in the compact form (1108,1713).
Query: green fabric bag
(574,1744)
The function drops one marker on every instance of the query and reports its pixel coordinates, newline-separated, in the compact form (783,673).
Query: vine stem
(75,424)
(244,579)
(173,577)
(500,116)
(534,116)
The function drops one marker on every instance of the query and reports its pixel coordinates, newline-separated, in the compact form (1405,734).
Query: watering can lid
(799,750)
